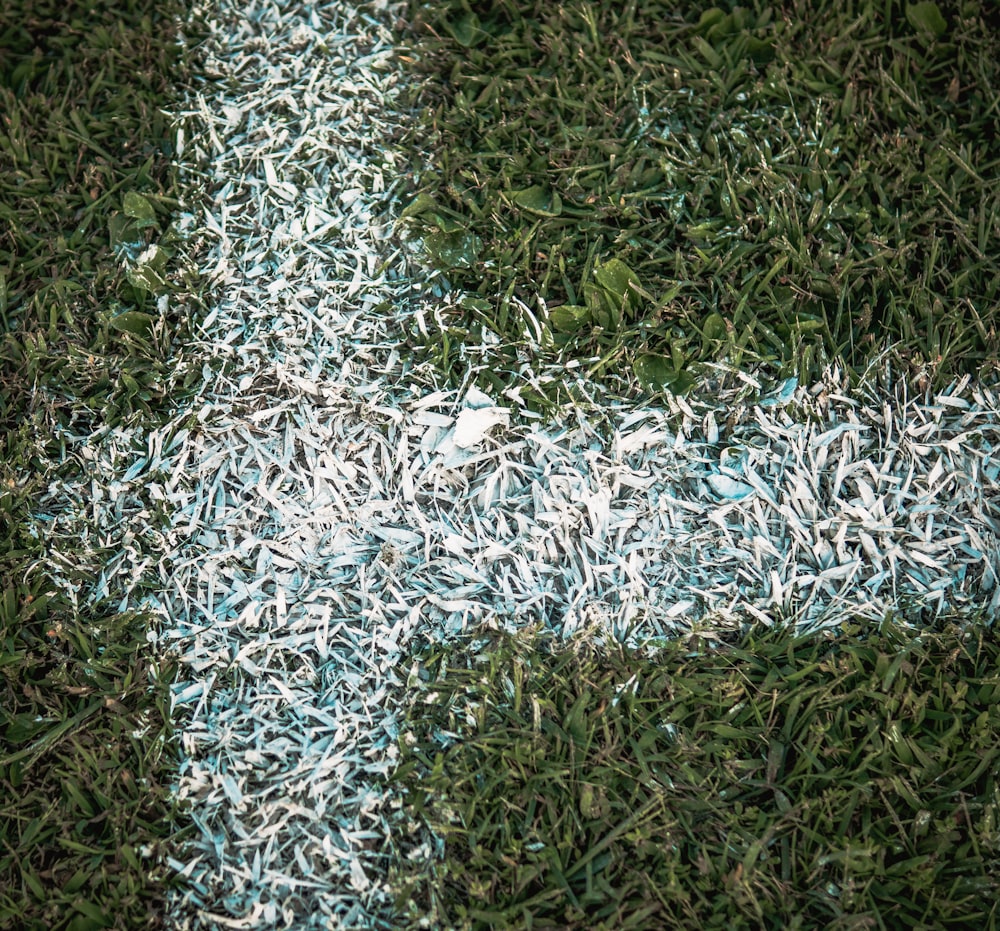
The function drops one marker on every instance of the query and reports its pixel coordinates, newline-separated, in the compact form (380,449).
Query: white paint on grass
(326,502)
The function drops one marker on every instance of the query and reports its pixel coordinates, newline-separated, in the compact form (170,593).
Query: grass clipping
(778,781)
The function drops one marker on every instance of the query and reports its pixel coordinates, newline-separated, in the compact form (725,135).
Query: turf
(85,206)
(645,188)
(759,781)
(612,183)
(648,193)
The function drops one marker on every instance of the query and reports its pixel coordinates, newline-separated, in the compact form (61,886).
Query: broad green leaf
(466,29)
(33,883)
(124,233)
(606,308)
(471,302)
(24,727)
(802,323)
(422,203)
(458,249)
(76,882)
(714,327)
(538,200)
(92,917)
(134,322)
(706,230)
(926,17)
(85,923)
(617,278)
(711,17)
(129,382)
(718,26)
(146,278)
(445,224)
(683,382)
(568,318)
(654,371)
(139,208)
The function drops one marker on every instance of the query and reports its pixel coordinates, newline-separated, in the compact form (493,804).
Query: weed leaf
(925,17)
(539,201)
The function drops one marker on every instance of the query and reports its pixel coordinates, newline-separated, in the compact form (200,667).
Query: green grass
(774,187)
(648,187)
(759,781)
(642,190)
(84,345)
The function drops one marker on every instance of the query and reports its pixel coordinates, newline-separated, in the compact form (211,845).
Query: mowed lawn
(86,185)
(658,194)
(639,191)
